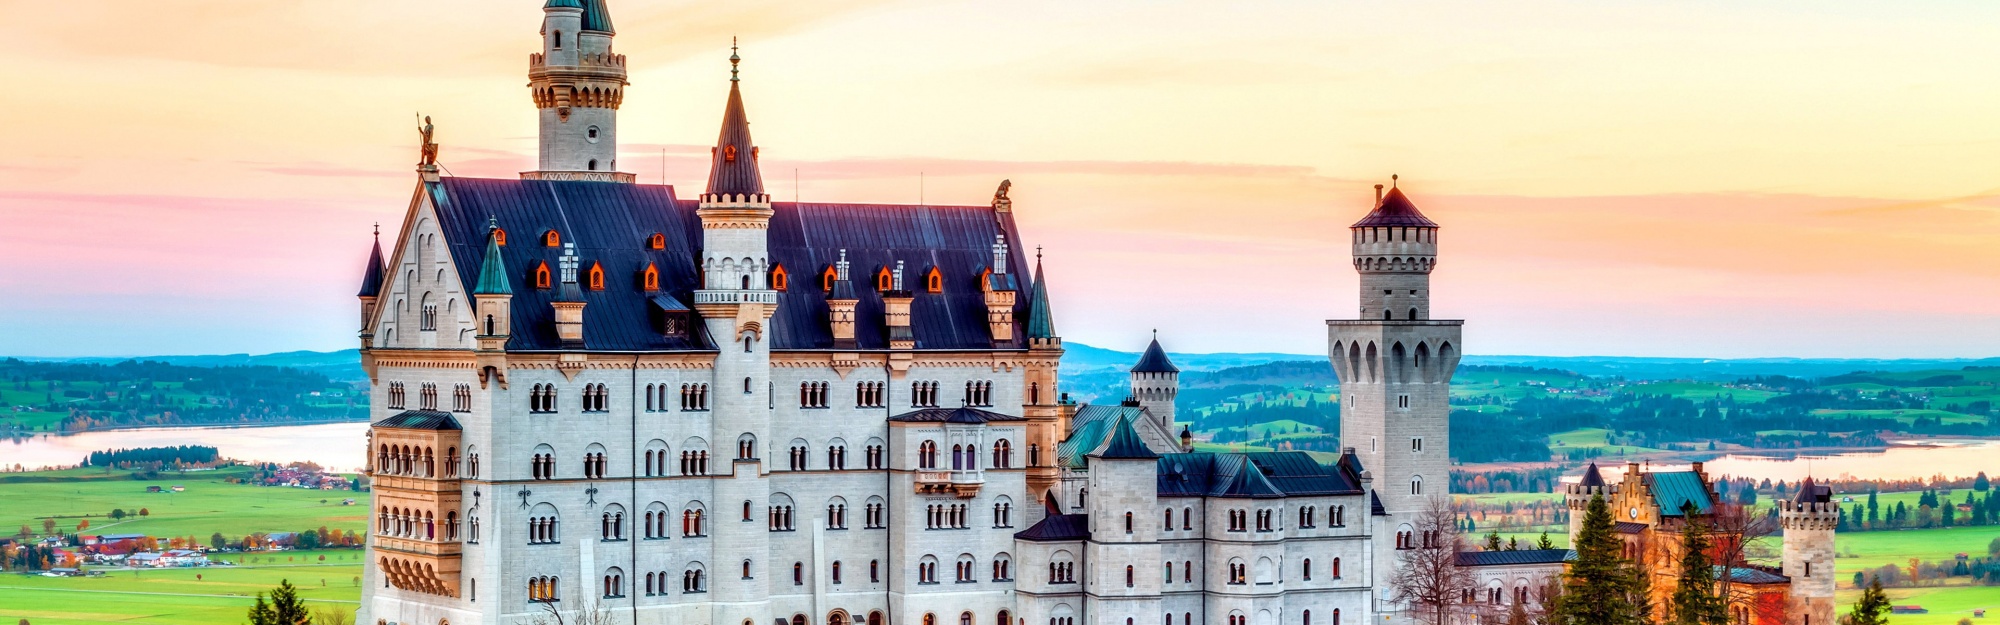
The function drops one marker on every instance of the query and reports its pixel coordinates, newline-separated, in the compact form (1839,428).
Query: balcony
(961,484)
(736,297)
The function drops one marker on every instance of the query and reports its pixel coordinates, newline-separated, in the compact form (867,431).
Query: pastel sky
(1691,178)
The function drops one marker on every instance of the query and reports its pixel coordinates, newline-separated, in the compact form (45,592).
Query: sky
(1694,178)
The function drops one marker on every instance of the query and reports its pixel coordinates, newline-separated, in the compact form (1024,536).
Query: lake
(336,446)
(339,446)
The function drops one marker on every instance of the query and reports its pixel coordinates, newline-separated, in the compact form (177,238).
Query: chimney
(896,311)
(569,302)
(840,305)
(1000,293)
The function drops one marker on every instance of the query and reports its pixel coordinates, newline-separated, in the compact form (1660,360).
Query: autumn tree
(1428,578)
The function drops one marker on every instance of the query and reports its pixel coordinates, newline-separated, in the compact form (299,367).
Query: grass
(1702,391)
(1591,438)
(1946,603)
(173,596)
(208,505)
(1874,549)
(1905,416)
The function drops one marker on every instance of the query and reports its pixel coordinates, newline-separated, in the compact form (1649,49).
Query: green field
(1592,438)
(1947,604)
(173,596)
(1874,549)
(208,505)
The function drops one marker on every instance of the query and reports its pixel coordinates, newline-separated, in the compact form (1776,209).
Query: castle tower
(1395,365)
(1576,497)
(1045,425)
(1155,382)
(736,302)
(577,83)
(1809,520)
(493,302)
(1124,551)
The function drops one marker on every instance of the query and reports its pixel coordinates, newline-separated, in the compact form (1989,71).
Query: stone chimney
(1000,293)
(896,311)
(569,302)
(840,305)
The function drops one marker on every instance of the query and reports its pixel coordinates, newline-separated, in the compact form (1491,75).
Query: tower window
(652,278)
(728,154)
(826,280)
(593,164)
(558,37)
(657,241)
(883,280)
(1403,402)
(591,135)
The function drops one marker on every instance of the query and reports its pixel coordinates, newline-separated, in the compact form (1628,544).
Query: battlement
(1808,515)
(607,60)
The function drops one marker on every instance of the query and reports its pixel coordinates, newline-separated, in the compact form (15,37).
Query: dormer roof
(1395,209)
(1125,444)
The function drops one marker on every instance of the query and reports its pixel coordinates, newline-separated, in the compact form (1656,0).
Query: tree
(145,512)
(1874,517)
(1980,483)
(1428,579)
(1513,544)
(1695,601)
(1493,541)
(83,525)
(1873,608)
(48,527)
(261,614)
(1545,543)
(1598,585)
(117,514)
(287,606)
(332,616)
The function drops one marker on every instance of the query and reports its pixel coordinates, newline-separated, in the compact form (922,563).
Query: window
(427,397)
(1417,444)
(836,572)
(461,398)
(1238,520)
(396,395)
(542,529)
(868,394)
(875,515)
(923,394)
(1187,518)
(593,464)
(1128,576)
(1336,569)
(651,277)
(1003,514)
(798,574)
(1128,526)
(500,237)
(884,281)
(746,446)
(966,569)
(593,165)
(827,278)
(812,394)
(1308,516)
(596,398)
(779,279)
(557,35)
(1306,570)
(927,455)
(596,277)
(692,522)
(614,583)
(927,570)
(874,572)
(1003,570)
(542,466)
(978,393)
(694,580)
(657,241)
(694,397)
(551,239)
(429,320)
(541,589)
(836,514)
(1236,572)
(1403,402)
(540,276)
(1168,525)
(934,281)
(875,457)
(1417,485)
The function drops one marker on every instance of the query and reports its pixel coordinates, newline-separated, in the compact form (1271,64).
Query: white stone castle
(726,410)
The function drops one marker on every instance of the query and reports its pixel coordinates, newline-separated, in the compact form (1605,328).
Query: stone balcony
(962,484)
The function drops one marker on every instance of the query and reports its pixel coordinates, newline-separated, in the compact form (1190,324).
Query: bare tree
(1738,533)
(1427,577)
(589,611)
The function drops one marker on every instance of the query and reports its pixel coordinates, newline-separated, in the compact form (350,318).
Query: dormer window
(540,276)
(596,278)
(934,281)
(826,279)
(884,280)
(728,154)
(657,241)
(779,279)
(651,277)
(551,239)
(986,280)
(500,236)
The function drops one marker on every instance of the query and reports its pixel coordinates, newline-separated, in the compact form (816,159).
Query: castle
(725,409)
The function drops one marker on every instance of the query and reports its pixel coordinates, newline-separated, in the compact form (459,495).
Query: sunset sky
(1694,178)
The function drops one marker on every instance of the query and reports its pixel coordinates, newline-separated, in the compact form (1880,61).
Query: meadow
(208,505)
(220,596)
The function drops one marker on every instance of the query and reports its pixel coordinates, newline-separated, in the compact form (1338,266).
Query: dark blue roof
(953,415)
(371,278)
(733,163)
(1395,210)
(420,420)
(610,224)
(1591,477)
(1375,505)
(1810,492)
(1058,527)
(1510,558)
(1256,475)
(1125,444)
(1155,360)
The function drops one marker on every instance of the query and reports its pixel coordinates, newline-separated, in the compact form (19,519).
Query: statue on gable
(430,149)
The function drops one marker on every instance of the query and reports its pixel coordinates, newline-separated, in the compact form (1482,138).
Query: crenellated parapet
(1793,515)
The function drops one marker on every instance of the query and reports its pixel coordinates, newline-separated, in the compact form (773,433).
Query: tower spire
(733,168)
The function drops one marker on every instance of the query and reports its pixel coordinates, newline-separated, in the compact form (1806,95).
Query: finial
(492,223)
(1392,180)
(378,230)
(733,59)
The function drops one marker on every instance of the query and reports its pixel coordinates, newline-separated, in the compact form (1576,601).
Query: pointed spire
(1394,209)
(733,168)
(371,278)
(1155,359)
(1592,478)
(493,270)
(1125,443)
(1041,321)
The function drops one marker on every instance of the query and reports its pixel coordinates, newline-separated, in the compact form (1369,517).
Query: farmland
(209,504)
(176,597)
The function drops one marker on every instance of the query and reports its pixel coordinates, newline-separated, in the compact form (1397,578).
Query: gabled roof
(371,278)
(1514,558)
(1395,210)
(1058,528)
(596,17)
(1125,444)
(1810,492)
(1255,475)
(1591,477)
(609,223)
(1673,490)
(1751,575)
(1155,360)
(420,420)
(733,166)
(953,415)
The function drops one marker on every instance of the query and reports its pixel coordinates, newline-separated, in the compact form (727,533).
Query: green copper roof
(596,17)
(563,4)
(1041,322)
(1125,444)
(492,271)
(1674,490)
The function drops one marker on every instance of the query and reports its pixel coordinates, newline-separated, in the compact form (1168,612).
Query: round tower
(1395,248)
(1155,383)
(578,84)
(1808,521)
(1577,496)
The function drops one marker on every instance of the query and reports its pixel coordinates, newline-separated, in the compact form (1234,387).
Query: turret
(1808,521)
(578,85)
(1123,553)
(493,300)
(1395,247)
(1155,383)
(1576,497)
(371,289)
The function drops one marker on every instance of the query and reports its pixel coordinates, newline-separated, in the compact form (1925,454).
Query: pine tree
(260,613)
(1873,608)
(1513,544)
(1545,543)
(1493,541)
(1874,517)
(1695,602)
(286,606)
(1597,588)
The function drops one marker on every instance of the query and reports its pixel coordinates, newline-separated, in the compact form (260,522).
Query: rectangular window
(1417,444)
(1403,402)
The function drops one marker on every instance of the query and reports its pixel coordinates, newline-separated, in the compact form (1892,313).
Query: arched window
(934,281)
(593,164)
(540,276)
(779,279)
(596,277)
(1417,485)
(551,239)
(1306,570)
(652,277)
(657,241)
(1128,524)
(500,237)
(827,278)
(558,39)
(884,280)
